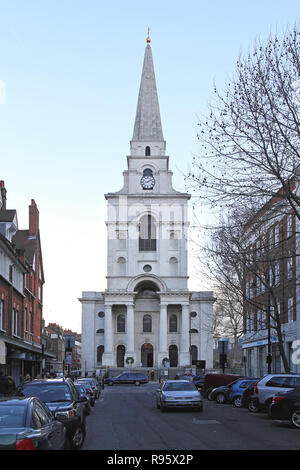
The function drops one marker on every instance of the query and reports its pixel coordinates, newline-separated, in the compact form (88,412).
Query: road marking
(205,421)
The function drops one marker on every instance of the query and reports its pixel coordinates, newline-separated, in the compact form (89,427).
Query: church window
(173,324)
(147,323)
(194,330)
(100,351)
(101,314)
(147,234)
(121,323)
(101,330)
(147,151)
(193,314)
(173,260)
(194,354)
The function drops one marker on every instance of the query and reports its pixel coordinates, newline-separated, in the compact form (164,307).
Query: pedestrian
(27,378)
(152,375)
(12,389)
(4,385)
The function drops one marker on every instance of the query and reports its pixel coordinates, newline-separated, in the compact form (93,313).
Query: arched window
(147,151)
(120,355)
(173,324)
(121,323)
(100,351)
(147,234)
(173,355)
(147,323)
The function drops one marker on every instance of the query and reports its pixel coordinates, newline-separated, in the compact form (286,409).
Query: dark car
(215,380)
(286,406)
(94,385)
(62,398)
(231,392)
(247,395)
(127,378)
(186,376)
(198,380)
(83,393)
(27,424)
(89,391)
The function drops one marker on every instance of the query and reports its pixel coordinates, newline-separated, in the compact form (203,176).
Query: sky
(69,81)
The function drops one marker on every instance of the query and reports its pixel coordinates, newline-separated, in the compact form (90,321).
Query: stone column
(130,352)
(130,330)
(184,356)
(107,358)
(163,332)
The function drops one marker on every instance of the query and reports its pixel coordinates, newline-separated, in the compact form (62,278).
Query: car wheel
(110,383)
(220,398)
(137,383)
(78,438)
(295,418)
(157,405)
(209,395)
(253,407)
(199,408)
(237,402)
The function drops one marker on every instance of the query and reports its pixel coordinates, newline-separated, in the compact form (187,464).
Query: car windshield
(48,393)
(179,386)
(12,415)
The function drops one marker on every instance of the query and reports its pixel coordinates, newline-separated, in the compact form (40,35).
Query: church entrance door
(147,355)
(120,355)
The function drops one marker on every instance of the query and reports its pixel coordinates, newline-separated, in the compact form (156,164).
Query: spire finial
(148,40)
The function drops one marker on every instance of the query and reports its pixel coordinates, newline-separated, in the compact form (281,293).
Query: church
(147,317)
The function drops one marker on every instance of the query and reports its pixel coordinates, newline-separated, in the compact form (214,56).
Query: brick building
(21,293)
(271,295)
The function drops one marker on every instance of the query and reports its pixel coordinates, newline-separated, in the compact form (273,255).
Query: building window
(147,234)
(121,323)
(147,324)
(173,324)
(100,351)
(289,230)
(290,268)
(147,151)
(290,310)
(1,314)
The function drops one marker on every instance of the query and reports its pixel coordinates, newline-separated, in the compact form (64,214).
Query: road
(126,418)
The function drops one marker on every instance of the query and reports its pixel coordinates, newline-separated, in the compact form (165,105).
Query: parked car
(230,392)
(62,398)
(247,395)
(286,406)
(27,424)
(185,376)
(198,380)
(83,393)
(178,394)
(237,394)
(127,378)
(215,380)
(96,386)
(90,391)
(266,387)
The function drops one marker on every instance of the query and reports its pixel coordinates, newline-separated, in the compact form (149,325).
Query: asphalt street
(125,418)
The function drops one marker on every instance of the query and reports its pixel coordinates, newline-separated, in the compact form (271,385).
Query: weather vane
(148,40)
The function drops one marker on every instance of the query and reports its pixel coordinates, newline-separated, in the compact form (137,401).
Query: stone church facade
(147,316)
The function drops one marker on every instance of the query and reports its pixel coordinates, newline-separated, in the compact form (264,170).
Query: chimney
(33,218)
(2,196)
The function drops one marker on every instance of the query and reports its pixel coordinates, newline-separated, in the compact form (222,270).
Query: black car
(286,406)
(83,393)
(62,398)
(127,378)
(198,380)
(27,424)
(94,385)
(185,376)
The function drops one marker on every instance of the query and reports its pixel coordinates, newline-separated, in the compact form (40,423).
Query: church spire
(147,127)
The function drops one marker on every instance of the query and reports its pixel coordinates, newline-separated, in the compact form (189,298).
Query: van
(215,380)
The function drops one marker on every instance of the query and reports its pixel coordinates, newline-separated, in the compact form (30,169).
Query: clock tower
(147,316)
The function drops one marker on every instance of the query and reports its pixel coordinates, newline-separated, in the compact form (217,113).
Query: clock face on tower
(147,180)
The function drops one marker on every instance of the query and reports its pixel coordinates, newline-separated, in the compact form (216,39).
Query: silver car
(178,394)
(265,389)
